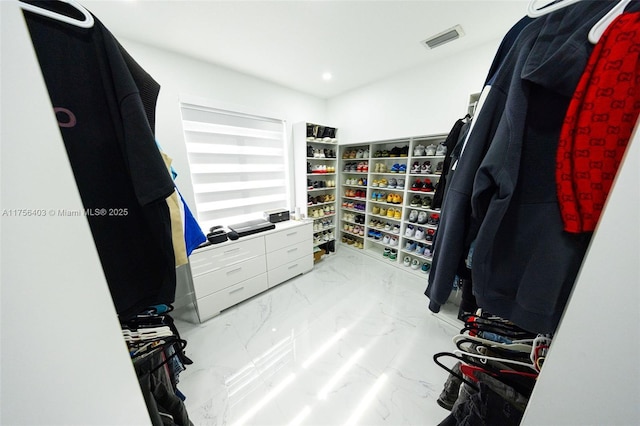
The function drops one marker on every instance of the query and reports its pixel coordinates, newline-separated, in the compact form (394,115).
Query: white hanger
(490,358)
(532,12)
(517,345)
(598,29)
(86,23)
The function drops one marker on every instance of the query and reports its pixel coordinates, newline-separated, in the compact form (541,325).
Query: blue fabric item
(193,235)
(494,337)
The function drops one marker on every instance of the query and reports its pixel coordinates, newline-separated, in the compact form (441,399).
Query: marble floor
(350,342)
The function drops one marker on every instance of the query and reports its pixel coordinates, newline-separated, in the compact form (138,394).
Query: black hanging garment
(123,182)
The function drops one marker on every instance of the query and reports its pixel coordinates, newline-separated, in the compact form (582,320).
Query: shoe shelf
(397,167)
(316,164)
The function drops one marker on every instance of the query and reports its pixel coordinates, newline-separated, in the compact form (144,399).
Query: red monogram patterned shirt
(598,124)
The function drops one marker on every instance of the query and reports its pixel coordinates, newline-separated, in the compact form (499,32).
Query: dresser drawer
(288,254)
(211,305)
(290,270)
(288,237)
(205,261)
(226,277)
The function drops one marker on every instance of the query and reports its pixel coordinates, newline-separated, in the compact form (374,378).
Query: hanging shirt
(598,125)
(117,167)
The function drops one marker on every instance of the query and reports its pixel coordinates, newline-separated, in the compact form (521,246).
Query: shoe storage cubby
(316,183)
(386,190)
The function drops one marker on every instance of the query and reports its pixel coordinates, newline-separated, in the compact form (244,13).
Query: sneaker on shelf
(365,153)
(383,168)
(420,249)
(396,229)
(386,239)
(389,198)
(439,167)
(412,246)
(393,183)
(394,241)
(395,152)
(413,216)
(400,183)
(395,168)
(441,150)
(416,201)
(426,167)
(419,233)
(386,252)
(375,210)
(404,151)
(417,185)
(402,168)
(393,255)
(387,226)
(430,150)
(407,261)
(375,183)
(422,218)
(427,186)
(409,231)
(382,183)
(426,202)
(383,211)
(398,214)
(415,264)
(415,168)
(418,150)
(425,267)
(391,212)
(359,153)
(429,236)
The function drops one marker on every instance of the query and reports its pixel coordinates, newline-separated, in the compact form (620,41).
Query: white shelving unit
(316,179)
(378,183)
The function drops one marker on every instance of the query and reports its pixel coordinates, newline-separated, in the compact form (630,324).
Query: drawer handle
(234,271)
(293,266)
(293,233)
(292,250)
(233,249)
(236,290)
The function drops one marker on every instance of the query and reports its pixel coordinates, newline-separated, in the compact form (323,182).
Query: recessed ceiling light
(327,76)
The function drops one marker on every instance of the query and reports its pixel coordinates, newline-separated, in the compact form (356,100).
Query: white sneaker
(441,150)
(430,150)
(418,150)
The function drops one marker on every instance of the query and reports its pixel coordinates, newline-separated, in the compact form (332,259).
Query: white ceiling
(293,43)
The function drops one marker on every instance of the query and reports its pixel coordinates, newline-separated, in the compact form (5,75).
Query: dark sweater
(502,195)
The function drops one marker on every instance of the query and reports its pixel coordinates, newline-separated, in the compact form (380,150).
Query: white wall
(180,75)
(64,361)
(592,375)
(423,100)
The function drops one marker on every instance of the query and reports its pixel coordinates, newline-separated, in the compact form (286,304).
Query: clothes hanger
(490,358)
(439,355)
(598,29)
(517,346)
(86,23)
(532,12)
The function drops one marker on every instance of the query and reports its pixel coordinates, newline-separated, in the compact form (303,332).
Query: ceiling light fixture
(327,76)
(445,36)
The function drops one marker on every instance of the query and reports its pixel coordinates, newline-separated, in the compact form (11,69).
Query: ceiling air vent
(443,37)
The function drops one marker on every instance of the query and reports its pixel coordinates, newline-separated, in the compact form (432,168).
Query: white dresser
(227,273)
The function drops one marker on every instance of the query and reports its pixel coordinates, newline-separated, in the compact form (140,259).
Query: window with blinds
(239,165)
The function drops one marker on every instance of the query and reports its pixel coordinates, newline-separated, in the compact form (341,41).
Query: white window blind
(239,165)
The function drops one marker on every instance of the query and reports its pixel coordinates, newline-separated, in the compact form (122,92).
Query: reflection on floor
(349,343)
